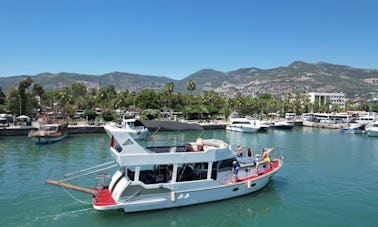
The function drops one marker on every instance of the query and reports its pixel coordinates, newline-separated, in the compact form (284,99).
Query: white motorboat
(282,124)
(49,133)
(264,126)
(372,129)
(243,125)
(132,126)
(353,128)
(157,177)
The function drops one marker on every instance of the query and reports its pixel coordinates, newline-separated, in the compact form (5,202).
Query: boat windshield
(241,122)
(49,128)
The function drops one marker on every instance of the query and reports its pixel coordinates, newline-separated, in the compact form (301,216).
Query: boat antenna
(201,134)
(156,131)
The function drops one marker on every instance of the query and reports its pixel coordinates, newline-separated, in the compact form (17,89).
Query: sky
(176,38)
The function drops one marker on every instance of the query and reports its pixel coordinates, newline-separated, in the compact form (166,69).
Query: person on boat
(240,151)
(249,153)
(265,155)
(189,147)
(199,143)
(235,170)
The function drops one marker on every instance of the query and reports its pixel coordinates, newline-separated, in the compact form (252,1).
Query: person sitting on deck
(249,153)
(199,143)
(188,147)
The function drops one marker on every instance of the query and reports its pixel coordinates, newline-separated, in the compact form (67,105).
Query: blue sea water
(328,179)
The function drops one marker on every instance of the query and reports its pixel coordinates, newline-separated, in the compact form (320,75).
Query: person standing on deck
(240,151)
(235,170)
(265,155)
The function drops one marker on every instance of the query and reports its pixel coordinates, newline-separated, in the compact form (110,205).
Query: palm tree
(24,84)
(38,91)
(65,100)
(191,86)
(169,89)
(297,104)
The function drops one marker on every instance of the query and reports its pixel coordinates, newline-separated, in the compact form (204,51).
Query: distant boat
(372,129)
(353,128)
(264,126)
(132,126)
(243,125)
(281,125)
(49,133)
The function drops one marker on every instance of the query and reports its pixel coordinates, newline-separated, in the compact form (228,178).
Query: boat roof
(136,122)
(131,153)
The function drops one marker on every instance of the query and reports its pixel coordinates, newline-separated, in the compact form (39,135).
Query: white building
(322,98)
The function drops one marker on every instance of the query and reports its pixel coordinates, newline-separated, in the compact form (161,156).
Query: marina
(328,179)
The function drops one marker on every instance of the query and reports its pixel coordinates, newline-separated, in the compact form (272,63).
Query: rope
(73,197)
(88,173)
(93,167)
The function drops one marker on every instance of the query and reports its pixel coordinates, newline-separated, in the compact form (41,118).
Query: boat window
(196,171)
(185,173)
(214,171)
(200,171)
(154,174)
(225,165)
(130,174)
(241,122)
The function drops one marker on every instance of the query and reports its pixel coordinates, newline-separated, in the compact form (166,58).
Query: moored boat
(132,126)
(50,132)
(372,129)
(353,128)
(243,125)
(281,125)
(157,177)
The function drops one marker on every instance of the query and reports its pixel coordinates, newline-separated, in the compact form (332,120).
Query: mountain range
(299,76)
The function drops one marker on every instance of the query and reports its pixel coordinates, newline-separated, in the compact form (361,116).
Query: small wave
(71,213)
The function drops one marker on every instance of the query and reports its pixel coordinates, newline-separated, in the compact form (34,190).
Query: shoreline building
(323,98)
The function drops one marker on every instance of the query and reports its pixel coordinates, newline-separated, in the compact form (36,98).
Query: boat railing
(88,171)
(166,149)
(214,143)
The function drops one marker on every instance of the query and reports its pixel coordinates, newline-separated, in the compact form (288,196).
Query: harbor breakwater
(84,128)
(24,130)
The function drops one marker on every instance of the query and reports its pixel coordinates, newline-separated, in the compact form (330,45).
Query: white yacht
(353,128)
(133,126)
(157,177)
(243,125)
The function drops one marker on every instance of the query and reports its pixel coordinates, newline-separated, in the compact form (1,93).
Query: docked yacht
(353,128)
(281,124)
(157,177)
(243,125)
(133,126)
(372,129)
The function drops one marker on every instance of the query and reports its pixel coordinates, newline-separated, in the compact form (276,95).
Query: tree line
(31,99)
